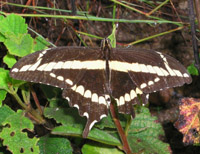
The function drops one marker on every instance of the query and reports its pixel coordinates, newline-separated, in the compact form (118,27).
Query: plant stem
(34,114)
(122,135)
(36,100)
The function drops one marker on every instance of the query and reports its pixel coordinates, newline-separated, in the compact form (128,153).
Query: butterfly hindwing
(90,99)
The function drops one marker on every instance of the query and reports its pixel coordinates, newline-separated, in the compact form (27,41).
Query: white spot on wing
(88,94)
(133,94)
(156,79)
(42,67)
(67,98)
(60,78)
(158,71)
(45,51)
(68,81)
(143,85)
(58,65)
(127,97)
(121,100)
(34,66)
(15,70)
(86,114)
(103,115)
(80,89)
(92,124)
(91,65)
(73,88)
(24,68)
(138,91)
(151,70)
(186,75)
(67,64)
(171,72)
(178,73)
(95,98)
(52,75)
(76,106)
(135,67)
(102,100)
(143,68)
(115,65)
(164,72)
(150,83)
(50,66)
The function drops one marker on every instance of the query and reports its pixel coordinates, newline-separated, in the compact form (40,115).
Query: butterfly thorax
(106,51)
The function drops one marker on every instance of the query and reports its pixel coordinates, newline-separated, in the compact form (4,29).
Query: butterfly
(89,77)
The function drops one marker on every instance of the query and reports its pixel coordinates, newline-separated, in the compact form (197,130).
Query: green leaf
(73,125)
(4,79)
(2,96)
(19,45)
(54,96)
(5,112)
(144,132)
(13,24)
(106,122)
(2,37)
(66,116)
(192,70)
(95,134)
(40,44)
(54,145)
(9,60)
(97,148)
(112,37)
(1,17)
(15,138)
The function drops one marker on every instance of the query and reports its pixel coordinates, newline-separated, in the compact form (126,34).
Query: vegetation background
(159,25)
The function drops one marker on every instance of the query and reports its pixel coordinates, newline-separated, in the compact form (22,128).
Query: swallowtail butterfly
(90,76)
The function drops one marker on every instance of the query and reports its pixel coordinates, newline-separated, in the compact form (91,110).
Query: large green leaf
(97,148)
(13,32)
(9,60)
(2,37)
(95,134)
(19,44)
(144,132)
(54,145)
(73,125)
(14,136)
(2,95)
(4,79)
(13,24)
(5,112)
(66,116)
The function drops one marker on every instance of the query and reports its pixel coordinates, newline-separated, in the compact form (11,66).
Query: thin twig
(197,6)
(36,100)
(193,33)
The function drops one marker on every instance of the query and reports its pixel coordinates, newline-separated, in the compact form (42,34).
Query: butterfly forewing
(55,66)
(152,71)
